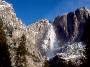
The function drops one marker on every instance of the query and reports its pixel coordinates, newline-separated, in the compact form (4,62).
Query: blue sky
(30,11)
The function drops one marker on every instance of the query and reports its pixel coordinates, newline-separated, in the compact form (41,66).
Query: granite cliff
(64,42)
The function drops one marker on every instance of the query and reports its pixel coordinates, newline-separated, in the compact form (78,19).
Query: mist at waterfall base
(52,47)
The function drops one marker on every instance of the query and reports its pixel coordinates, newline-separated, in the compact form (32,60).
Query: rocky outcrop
(70,27)
(64,42)
(73,28)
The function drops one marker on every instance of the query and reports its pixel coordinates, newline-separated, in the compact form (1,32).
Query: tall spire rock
(60,43)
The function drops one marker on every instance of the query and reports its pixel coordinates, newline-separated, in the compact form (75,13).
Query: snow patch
(52,47)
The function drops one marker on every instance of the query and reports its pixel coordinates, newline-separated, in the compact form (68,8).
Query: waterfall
(51,46)
(50,42)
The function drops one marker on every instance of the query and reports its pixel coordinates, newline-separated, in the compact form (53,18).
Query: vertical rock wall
(42,44)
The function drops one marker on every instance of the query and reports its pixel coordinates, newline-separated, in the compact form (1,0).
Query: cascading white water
(50,42)
(52,47)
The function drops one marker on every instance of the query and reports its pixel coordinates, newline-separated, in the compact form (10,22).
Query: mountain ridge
(32,46)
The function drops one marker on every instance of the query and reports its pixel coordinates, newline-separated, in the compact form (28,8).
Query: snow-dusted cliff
(31,46)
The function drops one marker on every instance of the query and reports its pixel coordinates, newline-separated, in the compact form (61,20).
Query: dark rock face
(4,53)
(86,39)
(58,62)
(73,27)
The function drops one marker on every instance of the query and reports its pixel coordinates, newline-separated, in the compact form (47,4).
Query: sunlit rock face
(64,42)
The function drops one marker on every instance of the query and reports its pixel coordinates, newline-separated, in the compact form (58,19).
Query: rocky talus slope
(63,43)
